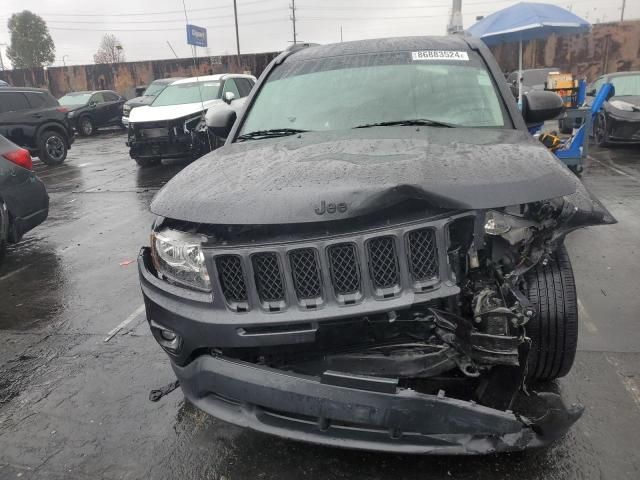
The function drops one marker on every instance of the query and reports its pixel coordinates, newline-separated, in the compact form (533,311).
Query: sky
(145,26)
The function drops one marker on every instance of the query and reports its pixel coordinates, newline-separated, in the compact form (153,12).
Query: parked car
(375,257)
(173,126)
(532,79)
(24,203)
(150,93)
(619,119)
(91,110)
(33,119)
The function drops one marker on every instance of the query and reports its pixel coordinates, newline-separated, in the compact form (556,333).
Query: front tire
(52,148)
(148,162)
(554,329)
(86,126)
(600,130)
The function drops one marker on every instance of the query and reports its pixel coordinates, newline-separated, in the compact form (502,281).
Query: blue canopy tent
(526,21)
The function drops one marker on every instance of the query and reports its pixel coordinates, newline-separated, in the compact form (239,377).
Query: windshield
(339,93)
(154,89)
(192,92)
(626,85)
(75,99)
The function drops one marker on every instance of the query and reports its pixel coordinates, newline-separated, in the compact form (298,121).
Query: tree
(31,45)
(110,50)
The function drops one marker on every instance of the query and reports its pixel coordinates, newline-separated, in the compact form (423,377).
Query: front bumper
(125,122)
(369,417)
(624,127)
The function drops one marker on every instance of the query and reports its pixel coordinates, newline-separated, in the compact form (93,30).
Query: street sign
(196,36)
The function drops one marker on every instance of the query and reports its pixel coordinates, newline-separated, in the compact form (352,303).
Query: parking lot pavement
(74,406)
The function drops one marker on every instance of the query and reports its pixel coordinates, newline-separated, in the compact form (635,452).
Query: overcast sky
(145,26)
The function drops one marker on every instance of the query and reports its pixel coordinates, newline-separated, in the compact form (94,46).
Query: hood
(359,172)
(140,101)
(169,112)
(631,99)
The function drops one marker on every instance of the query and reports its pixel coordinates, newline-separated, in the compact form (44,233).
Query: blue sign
(196,36)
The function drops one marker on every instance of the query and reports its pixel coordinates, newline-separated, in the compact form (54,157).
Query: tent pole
(520,75)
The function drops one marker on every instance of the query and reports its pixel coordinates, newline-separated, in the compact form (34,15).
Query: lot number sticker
(440,55)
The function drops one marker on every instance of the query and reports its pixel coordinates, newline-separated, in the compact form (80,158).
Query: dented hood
(285,180)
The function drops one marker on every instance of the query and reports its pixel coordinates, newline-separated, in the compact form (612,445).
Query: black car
(375,257)
(33,119)
(150,93)
(24,203)
(619,119)
(92,110)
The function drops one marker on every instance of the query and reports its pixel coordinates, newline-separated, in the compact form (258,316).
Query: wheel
(52,148)
(564,126)
(554,328)
(4,229)
(148,162)
(86,126)
(600,133)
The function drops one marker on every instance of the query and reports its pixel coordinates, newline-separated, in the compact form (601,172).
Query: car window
(97,98)
(244,86)
(13,102)
(338,93)
(75,99)
(626,85)
(230,86)
(110,97)
(36,100)
(596,85)
(191,92)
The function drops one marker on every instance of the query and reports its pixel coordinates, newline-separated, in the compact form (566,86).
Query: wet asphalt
(73,406)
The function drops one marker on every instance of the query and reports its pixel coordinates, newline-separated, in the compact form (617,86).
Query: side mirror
(92,104)
(228,97)
(539,106)
(220,121)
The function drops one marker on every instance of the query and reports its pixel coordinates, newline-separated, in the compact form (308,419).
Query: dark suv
(33,119)
(375,257)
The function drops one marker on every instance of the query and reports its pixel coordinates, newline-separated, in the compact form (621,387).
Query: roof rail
(291,49)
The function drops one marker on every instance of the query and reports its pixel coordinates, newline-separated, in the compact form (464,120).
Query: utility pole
(340,33)
(624,4)
(455,19)
(293,20)
(1,61)
(235,14)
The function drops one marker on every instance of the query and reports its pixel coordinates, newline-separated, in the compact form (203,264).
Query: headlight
(179,257)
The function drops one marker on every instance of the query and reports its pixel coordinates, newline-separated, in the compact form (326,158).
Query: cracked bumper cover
(370,417)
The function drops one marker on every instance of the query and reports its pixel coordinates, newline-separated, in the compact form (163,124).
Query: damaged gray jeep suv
(375,258)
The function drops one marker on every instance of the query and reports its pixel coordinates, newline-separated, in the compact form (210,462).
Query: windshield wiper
(274,132)
(407,123)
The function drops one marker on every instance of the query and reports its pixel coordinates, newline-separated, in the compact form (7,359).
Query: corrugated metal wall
(124,77)
(609,47)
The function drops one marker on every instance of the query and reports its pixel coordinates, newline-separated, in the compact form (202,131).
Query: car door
(113,104)
(16,120)
(99,109)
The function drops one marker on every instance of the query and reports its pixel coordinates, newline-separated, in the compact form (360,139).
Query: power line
(82,22)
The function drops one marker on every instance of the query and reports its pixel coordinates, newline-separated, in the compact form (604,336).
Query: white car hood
(169,112)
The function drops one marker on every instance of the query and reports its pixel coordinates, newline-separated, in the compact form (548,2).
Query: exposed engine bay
(476,345)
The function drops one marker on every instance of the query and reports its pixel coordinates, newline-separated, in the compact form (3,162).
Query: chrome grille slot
(268,276)
(345,272)
(383,262)
(231,277)
(306,273)
(423,255)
